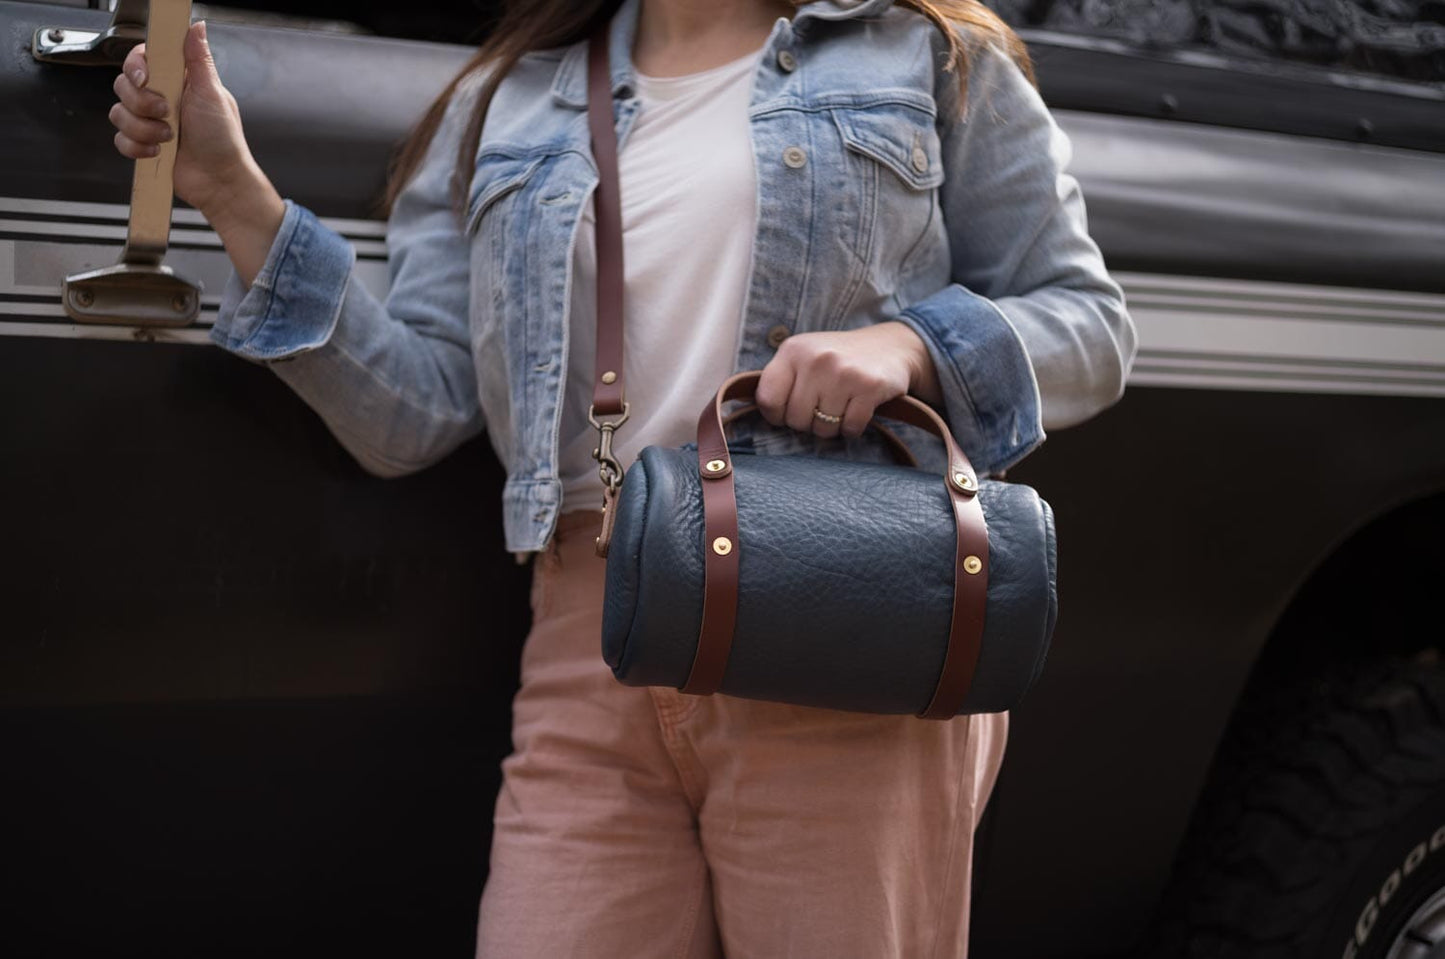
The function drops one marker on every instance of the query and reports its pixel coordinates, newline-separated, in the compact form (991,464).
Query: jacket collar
(841,10)
(569,87)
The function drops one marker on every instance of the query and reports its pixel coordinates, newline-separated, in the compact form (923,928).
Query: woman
(860,198)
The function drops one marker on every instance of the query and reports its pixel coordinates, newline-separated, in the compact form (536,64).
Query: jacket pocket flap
(496,176)
(900,136)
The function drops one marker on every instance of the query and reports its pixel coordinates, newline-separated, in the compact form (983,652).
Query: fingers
(139,130)
(795,383)
(804,405)
(836,392)
(856,416)
(138,100)
(779,391)
(820,387)
(133,150)
(827,426)
(800,413)
(201,74)
(138,116)
(842,375)
(134,66)
(774,388)
(802,399)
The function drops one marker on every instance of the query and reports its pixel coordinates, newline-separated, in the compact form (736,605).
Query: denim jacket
(878,199)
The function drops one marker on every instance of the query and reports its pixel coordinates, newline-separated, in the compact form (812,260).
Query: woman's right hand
(214,172)
(212,152)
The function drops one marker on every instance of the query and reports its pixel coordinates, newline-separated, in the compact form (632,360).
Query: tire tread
(1308,778)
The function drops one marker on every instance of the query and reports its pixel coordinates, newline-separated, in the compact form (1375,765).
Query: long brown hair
(527,25)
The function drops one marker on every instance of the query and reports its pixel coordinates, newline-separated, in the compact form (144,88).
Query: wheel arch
(1362,604)
(1364,599)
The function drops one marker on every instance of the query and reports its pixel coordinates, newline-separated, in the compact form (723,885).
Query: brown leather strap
(970,603)
(898,449)
(609,408)
(970,570)
(721,569)
(721,549)
(607,391)
(914,412)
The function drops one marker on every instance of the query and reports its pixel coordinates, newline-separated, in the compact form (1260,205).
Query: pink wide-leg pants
(640,823)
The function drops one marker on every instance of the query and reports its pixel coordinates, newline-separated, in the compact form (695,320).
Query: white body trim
(1194,332)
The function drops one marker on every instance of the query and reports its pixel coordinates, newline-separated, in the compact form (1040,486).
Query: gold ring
(826,417)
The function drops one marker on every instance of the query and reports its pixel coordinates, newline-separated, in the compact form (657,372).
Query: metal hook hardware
(608,466)
(609,469)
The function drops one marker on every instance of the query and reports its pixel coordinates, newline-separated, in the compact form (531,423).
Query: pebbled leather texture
(846,588)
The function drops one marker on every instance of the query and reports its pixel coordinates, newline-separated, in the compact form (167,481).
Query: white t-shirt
(689,213)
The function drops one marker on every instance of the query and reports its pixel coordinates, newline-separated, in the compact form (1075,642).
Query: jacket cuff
(293,305)
(991,397)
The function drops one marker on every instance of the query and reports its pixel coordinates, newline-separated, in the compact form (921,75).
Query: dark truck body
(252,700)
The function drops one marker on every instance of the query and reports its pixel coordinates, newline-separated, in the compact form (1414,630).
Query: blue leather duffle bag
(824,582)
(797,579)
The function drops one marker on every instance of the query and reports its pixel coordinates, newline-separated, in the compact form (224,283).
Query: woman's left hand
(845,376)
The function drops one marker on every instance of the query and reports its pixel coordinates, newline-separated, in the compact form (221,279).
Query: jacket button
(786,61)
(920,159)
(795,157)
(777,335)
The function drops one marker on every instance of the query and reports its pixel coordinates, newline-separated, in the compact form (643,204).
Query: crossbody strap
(609,408)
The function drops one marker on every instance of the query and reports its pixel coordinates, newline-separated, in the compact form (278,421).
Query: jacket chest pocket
(497,177)
(895,166)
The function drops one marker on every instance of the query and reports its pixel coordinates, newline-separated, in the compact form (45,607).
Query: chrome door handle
(139,290)
(68,45)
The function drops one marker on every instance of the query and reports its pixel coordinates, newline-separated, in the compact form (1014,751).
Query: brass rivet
(972,564)
(716,466)
(609,377)
(963,481)
(722,546)
(84,297)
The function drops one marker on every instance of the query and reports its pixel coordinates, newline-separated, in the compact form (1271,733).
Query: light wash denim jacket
(965,227)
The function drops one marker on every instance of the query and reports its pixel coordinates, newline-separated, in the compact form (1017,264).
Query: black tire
(1322,832)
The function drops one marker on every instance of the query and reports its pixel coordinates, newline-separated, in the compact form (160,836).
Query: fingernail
(168,134)
(138,77)
(202,30)
(162,108)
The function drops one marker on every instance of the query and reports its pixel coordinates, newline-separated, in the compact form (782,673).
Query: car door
(251,695)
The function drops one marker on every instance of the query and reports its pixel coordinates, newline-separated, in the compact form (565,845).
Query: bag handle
(722,550)
(902,455)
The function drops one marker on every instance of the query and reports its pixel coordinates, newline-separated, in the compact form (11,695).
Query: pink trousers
(640,823)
